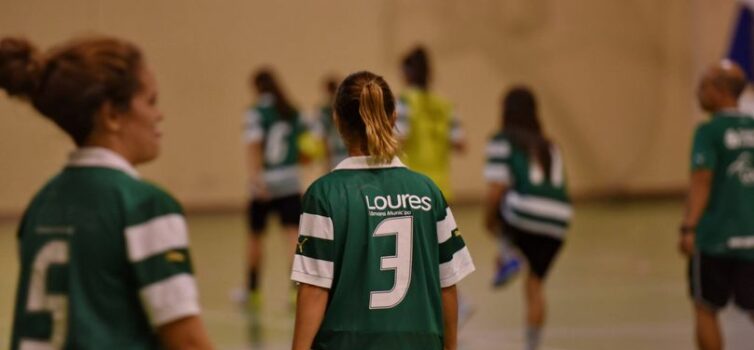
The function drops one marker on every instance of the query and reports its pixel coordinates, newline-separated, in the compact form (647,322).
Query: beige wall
(615,78)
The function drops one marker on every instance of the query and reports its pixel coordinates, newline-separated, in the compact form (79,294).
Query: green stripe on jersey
(316,248)
(450,247)
(161,266)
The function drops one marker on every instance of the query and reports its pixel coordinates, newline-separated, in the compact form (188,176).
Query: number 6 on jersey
(402,228)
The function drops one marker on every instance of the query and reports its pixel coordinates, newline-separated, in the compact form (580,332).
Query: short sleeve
(497,167)
(157,248)
(253,131)
(703,154)
(313,262)
(455,259)
(402,124)
(457,133)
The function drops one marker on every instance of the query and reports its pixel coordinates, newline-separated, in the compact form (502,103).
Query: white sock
(533,337)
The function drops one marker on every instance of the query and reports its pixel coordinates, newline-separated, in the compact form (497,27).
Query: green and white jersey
(725,145)
(104,260)
(533,202)
(279,138)
(383,240)
(326,130)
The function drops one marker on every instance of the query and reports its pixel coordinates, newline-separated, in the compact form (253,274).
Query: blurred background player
(346,298)
(273,128)
(335,149)
(428,129)
(527,199)
(717,232)
(103,254)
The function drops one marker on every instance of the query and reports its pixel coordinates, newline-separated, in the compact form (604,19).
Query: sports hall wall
(615,79)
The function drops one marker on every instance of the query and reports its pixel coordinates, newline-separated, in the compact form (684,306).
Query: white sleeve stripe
(316,226)
(253,135)
(497,173)
(34,344)
(156,236)
(456,269)
(301,277)
(171,299)
(446,226)
(321,270)
(498,149)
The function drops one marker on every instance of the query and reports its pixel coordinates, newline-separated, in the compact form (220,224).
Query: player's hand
(492,224)
(259,190)
(686,243)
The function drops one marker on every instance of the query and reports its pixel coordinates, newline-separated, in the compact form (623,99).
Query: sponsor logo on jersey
(399,201)
(742,168)
(735,139)
(300,245)
(175,256)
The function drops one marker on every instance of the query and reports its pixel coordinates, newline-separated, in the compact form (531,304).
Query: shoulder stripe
(498,149)
(318,226)
(497,173)
(312,271)
(446,226)
(457,268)
(156,236)
(171,299)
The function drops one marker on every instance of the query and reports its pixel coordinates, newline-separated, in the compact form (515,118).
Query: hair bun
(20,67)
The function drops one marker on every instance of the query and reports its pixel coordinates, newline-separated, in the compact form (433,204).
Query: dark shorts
(288,208)
(540,250)
(713,280)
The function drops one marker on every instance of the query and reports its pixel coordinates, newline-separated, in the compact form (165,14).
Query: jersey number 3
(402,229)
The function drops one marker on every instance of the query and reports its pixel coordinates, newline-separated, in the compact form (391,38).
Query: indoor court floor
(619,283)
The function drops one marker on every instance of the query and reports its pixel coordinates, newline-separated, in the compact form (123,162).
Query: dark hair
(521,124)
(731,83)
(365,107)
(331,85)
(72,81)
(416,67)
(265,82)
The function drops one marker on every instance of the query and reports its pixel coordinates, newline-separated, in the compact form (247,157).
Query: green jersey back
(383,240)
(534,202)
(279,139)
(104,260)
(725,145)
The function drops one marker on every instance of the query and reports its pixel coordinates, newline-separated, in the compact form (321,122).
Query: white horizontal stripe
(498,149)
(279,174)
(301,277)
(31,344)
(446,226)
(171,299)
(312,271)
(156,236)
(497,173)
(456,269)
(535,227)
(539,206)
(253,135)
(316,226)
(741,242)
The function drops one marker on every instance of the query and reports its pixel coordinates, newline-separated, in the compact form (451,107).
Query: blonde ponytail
(381,142)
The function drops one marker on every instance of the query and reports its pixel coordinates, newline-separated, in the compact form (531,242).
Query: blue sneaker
(506,272)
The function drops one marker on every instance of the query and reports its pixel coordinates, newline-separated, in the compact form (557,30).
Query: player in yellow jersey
(426,124)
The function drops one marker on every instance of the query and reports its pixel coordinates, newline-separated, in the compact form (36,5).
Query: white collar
(367,162)
(100,157)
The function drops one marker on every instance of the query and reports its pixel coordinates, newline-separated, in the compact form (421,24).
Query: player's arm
(187,333)
(701,183)
(457,135)
(450,317)
(256,167)
(310,310)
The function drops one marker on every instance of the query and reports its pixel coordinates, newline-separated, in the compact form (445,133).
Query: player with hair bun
(103,253)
